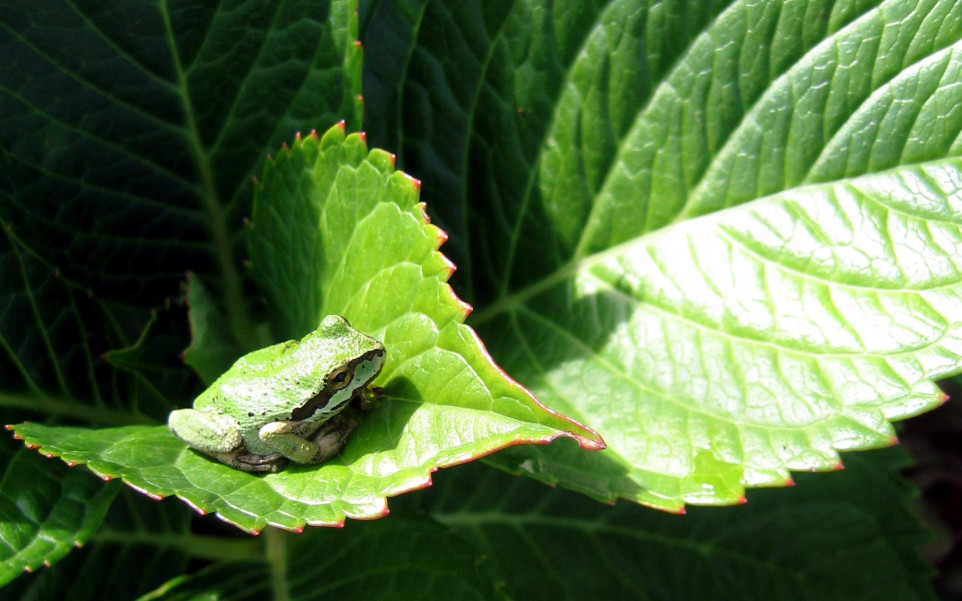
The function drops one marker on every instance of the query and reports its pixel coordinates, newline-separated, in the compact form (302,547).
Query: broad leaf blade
(53,335)
(841,536)
(128,136)
(391,560)
(586,130)
(332,217)
(140,545)
(45,511)
(785,330)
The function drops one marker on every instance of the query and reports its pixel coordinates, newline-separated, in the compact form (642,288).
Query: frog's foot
(211,433)
(333,436)
(250,462)
(364,400)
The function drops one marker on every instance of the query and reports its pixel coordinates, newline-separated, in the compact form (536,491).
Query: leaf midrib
(241,327)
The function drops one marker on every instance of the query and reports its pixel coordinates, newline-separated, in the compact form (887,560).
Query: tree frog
(284,402)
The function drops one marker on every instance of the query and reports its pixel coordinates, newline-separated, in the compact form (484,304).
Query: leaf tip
(358,44)
(78,544)
(363,136)
(46,563)
(146,493)
(297,137)
(360,98)
(193,505)
(342,125)
(313,134)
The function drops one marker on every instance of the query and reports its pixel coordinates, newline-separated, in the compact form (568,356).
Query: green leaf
(579,145)
(841,536)
(44,511)
(128,136)
(140,545)
(444,401)
(391,560)
(53,336)
(212,350)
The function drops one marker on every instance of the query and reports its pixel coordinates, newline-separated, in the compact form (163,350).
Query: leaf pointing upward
(333,221)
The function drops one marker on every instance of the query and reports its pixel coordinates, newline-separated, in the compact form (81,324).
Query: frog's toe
(205,431)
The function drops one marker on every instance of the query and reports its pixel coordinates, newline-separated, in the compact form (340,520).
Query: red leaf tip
(297,137)
(314,133)
(358,44)
(9,426)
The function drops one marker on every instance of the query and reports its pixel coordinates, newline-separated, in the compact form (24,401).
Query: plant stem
(276,545)
(206,547)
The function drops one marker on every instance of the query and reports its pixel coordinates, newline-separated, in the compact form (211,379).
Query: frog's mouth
(328,402)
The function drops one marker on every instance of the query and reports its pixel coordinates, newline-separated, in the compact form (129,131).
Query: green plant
(723,237)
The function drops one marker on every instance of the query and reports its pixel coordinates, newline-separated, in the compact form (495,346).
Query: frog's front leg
(283,437)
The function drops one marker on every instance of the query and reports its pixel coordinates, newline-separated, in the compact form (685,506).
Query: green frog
(284,402)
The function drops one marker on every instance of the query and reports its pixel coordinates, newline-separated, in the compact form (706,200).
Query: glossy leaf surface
(582,159)
(44,512)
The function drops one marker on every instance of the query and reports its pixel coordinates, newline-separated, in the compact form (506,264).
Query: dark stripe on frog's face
(328,401)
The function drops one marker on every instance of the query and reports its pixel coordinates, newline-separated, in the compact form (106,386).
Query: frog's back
(258,382)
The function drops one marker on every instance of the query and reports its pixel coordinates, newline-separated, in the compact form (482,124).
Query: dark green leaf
(129,131)
(840,537)
(390,560)
(211,351)
(45,510)
(141,544)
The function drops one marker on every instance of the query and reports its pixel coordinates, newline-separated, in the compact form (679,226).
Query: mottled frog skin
(283,402)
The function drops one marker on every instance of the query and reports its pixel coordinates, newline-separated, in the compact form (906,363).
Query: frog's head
(343,361)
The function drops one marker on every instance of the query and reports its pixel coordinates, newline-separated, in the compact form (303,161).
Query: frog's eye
(339,378)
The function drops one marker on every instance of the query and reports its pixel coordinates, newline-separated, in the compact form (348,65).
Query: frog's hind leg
(211,433)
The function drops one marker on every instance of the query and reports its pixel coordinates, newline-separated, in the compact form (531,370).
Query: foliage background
(542,133)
